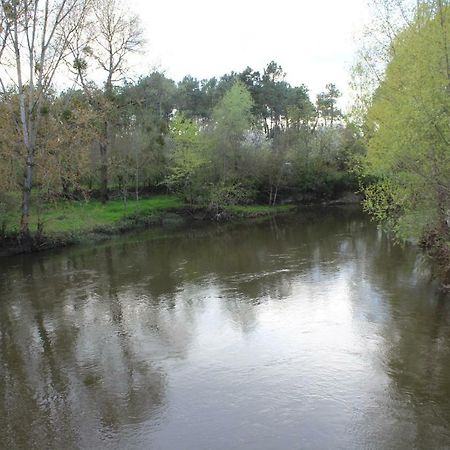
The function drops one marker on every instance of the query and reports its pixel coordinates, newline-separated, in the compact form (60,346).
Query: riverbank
(68,223)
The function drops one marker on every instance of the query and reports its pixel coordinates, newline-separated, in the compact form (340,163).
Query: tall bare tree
(34,39)
(112,35)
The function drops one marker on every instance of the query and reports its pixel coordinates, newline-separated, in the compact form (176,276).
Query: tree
(232,117)
(10,161)
(155,93)
(188,159)
(70,132)
(189,97)
(326,104)
(300,111)
(409,132)
(110,36)
(253,82)
(274,94)
(210,95)
(146,108)
(278,164)
(34,38)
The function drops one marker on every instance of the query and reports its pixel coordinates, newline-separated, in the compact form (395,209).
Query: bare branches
(377,48)
(110,35)
(34,38)
(35,34)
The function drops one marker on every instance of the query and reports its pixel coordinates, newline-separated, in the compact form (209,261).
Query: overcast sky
(314,41)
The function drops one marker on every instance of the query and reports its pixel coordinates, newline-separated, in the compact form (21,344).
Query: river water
(310,331)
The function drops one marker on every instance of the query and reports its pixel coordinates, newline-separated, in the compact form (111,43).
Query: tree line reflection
(85,333)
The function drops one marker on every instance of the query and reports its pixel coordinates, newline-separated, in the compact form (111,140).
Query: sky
(314,41)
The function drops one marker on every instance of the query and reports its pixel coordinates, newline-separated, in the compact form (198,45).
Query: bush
(228,193)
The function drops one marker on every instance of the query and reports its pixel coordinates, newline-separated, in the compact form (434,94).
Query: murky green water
(308,332)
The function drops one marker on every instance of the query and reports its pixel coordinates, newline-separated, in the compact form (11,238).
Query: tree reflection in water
(144,340)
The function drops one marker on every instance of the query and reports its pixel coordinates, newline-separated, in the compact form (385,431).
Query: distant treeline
(240,138)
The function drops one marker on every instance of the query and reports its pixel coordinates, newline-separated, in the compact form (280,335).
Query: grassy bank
(78,216)
(250,211)
(71,222)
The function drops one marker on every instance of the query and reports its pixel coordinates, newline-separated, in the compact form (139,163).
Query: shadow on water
(307,331)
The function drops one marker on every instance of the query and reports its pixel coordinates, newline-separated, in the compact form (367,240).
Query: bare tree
(113,34)
(5,25)
(34,39)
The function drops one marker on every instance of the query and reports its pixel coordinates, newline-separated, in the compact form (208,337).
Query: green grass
(258,210)
(71,216)
(76,220)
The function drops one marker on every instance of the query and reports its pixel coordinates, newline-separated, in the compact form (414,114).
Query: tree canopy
(407,167)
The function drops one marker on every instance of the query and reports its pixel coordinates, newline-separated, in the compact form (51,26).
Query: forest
(242,138)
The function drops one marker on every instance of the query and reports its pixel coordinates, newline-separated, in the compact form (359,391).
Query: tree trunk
(443,213)
(266,127)
(275,195)
(103,173)
(29,135)
(26,196)
(137,184)
(104,165)
(65,184)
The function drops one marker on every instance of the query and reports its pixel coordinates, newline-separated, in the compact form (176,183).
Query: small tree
(188,160)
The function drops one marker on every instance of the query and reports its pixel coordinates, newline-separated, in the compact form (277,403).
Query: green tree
(300,111)
(188,160)
(409,132)
(274,95)
(232,118)
(189,97)
(145,109)
(326,104)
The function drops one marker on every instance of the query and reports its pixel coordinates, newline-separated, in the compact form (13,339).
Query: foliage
(327,104)
(225,194)
(108,36)
(188,160)
(231,118)
(409,130)
(63,156)
(219,142)
(34,38)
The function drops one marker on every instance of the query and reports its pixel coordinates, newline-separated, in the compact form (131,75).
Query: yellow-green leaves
(409,123)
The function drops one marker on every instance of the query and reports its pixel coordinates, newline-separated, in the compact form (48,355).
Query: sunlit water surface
(305,332)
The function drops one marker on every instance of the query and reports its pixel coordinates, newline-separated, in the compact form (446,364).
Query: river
(308,331)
